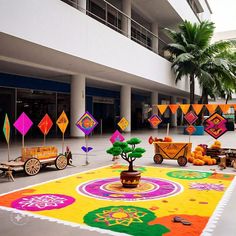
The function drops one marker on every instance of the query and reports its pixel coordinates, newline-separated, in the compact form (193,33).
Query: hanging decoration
(45,125)
(215,125)
(155,120)
(197,108)
(211,107)
(190,129)
(7,131)
(184,108)
(190,117)
(6,128)
(224,107)
(123,123)
(62,122)
(174,108)
(88,149)
(116,136)
(162,108)
(23,124)
(86,124)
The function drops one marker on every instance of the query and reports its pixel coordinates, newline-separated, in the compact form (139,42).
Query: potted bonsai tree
(128,151)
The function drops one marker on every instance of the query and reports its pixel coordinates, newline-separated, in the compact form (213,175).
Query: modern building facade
(106,57)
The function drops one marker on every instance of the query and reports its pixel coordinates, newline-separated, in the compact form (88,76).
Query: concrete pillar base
(125,105)
(77,103)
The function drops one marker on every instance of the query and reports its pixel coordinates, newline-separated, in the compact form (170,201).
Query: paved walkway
(98,158)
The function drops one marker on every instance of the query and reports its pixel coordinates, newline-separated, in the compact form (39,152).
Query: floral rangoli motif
(125,219)
(188,175)
(206,186)
(120,216)
(42,202)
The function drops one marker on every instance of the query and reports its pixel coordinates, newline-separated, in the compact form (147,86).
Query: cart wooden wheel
(61,162)
(32,166)
(158,158)
(182,161)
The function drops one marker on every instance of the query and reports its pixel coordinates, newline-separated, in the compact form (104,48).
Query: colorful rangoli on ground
(96,200)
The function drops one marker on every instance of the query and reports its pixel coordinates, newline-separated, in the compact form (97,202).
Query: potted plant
(127,150)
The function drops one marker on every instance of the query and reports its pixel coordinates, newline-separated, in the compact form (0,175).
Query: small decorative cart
(173,151)
(32,159)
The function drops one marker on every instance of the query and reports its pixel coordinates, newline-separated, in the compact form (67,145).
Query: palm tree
(194,57)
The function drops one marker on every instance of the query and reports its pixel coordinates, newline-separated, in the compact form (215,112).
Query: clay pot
(130,179)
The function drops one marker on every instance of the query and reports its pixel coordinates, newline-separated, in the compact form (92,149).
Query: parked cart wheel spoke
(32,166)
(61,162)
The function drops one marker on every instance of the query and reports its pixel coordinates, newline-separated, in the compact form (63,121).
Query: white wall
(225,35)
(56,25)
(184,10)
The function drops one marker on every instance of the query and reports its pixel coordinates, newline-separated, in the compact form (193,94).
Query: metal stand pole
(23,141)
(63,142)
(86,143)
(8,151)
(168,128)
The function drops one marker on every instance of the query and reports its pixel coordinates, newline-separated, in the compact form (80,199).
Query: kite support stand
(86,143)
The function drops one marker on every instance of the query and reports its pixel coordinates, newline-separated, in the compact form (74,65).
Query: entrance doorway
(104,113)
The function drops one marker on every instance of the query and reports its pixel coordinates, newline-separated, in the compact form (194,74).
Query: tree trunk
(192,89)
(131,169)
(227,99)
(204,98)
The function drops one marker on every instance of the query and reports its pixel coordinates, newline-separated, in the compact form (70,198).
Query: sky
(224,14)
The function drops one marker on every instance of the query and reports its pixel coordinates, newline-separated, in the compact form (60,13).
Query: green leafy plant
(194,57)
(127,150)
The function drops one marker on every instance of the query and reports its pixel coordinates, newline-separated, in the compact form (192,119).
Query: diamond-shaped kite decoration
(215,125)
(191,117)
(23,124)
(6,128)
(45,124)
(155,120)
(86,123)
(117,137)
(62,122)
(123,123)
(190,129)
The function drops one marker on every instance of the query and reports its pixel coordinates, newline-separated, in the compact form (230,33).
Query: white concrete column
(126,22)
(154,101)
(155,39)
(125,104)
(173,116)
(77,103)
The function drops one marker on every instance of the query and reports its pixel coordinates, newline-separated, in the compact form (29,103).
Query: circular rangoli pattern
(188,174)
(111,189)
(130,220)
(42,202)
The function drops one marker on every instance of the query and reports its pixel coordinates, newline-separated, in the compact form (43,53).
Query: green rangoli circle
(188,174)
(125,219)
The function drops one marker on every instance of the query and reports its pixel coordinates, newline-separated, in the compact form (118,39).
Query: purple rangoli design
(42,202)
(206,186)
(111,189)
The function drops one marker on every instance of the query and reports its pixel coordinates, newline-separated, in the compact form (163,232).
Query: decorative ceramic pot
(130,179)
